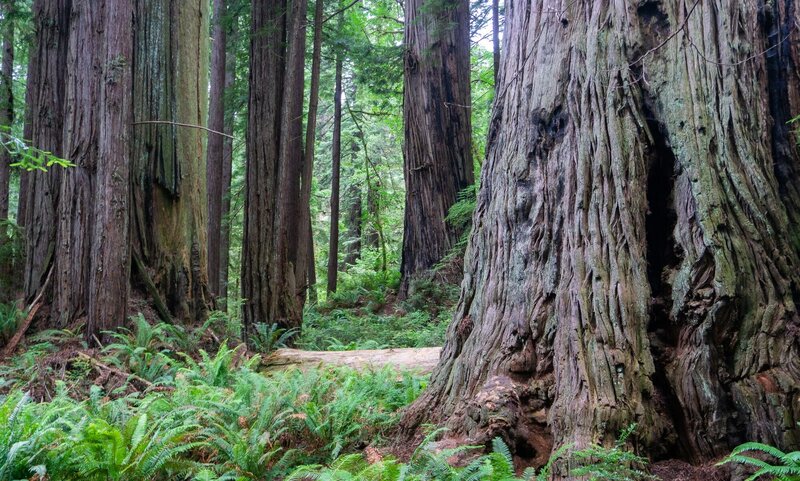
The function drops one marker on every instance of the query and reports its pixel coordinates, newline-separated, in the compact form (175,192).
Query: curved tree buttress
(635,248)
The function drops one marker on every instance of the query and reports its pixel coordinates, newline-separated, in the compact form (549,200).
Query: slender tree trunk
(44,128)
(307,236)
(354,216)
(312,266)
(216,148)
(274,152)
(227,175)
(294,204)
(634,256)
(336,160)
(496,38)
(438,135)
(6,100)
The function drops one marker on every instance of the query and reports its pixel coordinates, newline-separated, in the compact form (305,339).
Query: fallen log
(421,360)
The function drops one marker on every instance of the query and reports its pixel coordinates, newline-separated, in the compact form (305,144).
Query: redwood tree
(6,98)
(634,256)
(438,135)
(270,286)
(215,163)
(138,187)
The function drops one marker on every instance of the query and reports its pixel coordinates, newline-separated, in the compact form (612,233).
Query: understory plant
(783,466)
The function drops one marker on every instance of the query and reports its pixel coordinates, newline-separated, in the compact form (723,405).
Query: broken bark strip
(421,360)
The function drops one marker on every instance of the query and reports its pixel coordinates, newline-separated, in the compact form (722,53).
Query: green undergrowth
(212,418)
(364,313)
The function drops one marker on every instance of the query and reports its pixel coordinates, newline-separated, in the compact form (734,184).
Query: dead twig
(103,368)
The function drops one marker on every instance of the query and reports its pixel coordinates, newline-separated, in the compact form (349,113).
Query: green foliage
(785,468)
(10,316)
(350,329)
(27,156)
(215,418)
(611,464)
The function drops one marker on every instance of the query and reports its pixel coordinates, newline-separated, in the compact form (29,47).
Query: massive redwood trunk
(270,287)
(168,177)
(134,188)
(438,132)
(634,256)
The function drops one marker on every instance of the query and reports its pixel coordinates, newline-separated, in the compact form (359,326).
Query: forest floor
(246,415)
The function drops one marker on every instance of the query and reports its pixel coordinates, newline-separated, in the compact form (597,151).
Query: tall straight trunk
(110,240)
(634,256)
(353,218)
(274,153)
(294,205)
(216,147)
(307,236)
(227,175)
(168,177)
(44,128)
(438,134)
(6,100)
(336,161)
(496,38)
(312,266)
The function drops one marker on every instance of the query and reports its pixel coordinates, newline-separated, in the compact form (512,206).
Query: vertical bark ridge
(631,218)
(44,126)
(438,145)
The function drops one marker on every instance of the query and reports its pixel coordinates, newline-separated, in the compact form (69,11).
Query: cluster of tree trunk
(109,83)
(635,253)
(274,268)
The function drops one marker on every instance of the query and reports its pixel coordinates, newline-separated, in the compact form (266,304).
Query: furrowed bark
(44,128)
(438,132)
(168,217)
(215,150)
(336,161)
(268,276)
(6,100)
(110,240)
(634,256)
(307,235)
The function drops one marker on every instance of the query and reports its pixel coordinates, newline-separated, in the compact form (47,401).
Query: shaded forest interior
(388,240)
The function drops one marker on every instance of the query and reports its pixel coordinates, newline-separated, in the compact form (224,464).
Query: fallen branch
(32,309)
(102,368)
(181,124)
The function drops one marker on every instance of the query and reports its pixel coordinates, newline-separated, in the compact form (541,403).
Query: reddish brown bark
(634,253)
(93,200)
(110,240)
(227,170)
(216,145)
(307,236)
(336,167)
(438,135)
(6,100)
(44,128)
(274,151)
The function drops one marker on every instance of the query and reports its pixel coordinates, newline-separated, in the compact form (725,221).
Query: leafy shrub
(787,467)
(611,464)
